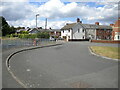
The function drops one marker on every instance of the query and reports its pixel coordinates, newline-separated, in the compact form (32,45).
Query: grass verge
(111,52)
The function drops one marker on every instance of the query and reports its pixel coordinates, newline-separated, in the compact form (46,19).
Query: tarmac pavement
(70,65)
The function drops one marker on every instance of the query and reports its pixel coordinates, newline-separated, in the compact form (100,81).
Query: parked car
(52,38)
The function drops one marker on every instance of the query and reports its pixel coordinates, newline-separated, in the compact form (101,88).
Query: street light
(36,19)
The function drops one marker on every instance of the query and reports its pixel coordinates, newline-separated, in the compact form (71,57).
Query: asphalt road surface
(70,65)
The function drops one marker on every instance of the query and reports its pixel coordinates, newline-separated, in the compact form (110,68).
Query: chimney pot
(118,18)
(78,20)
(111,24)
(96,23)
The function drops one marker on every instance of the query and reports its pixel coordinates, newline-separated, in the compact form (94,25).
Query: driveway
(70,65)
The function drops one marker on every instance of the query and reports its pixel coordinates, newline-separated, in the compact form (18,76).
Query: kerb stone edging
(11,55)
(93,53)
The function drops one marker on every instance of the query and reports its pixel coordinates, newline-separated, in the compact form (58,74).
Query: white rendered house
(79,31)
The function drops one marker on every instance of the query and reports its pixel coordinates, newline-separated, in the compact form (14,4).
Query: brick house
(55,32)
(103,32)
(116,30)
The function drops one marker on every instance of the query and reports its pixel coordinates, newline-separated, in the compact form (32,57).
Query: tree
(43,35)
(5,28)
(13,30)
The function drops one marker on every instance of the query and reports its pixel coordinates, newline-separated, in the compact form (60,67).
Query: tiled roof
(104,27)
(117,23)
(93,26)
(68,26)
(48,30)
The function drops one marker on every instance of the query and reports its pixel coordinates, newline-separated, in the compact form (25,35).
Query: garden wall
(105,41)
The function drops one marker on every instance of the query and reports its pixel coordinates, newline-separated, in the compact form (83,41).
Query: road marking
(28,70)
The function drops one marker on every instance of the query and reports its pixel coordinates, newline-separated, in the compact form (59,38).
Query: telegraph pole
(36,19)
(45,23)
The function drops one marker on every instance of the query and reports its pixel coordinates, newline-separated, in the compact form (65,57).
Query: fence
(15,43)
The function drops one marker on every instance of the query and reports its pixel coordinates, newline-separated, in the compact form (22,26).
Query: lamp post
(36,19)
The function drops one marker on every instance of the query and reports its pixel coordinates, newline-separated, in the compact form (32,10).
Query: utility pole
(45,23)
(36,19)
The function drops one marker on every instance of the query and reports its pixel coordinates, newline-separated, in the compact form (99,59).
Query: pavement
(70,65)
(7,81)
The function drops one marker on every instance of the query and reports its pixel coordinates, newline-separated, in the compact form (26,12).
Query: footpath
(7,80)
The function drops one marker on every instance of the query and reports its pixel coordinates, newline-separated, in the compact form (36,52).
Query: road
(70,65)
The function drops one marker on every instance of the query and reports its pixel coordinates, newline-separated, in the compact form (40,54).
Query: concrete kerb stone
(93,53)
(11,55)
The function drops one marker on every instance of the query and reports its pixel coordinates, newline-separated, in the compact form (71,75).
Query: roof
(48,30)
(104,27)
(58,30)
(117,23)
(68,26)
(93,26)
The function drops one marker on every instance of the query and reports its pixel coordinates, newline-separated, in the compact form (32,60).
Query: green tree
(24,32)
(5,28)
(43,35)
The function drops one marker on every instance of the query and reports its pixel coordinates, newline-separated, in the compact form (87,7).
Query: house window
(83,37)
(63,31)
(68,37)
(83,30)
(78,30)
(68,30)
(118,37)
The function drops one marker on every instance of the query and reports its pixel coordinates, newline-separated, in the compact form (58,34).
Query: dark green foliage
(32,36)
(20,28)
(24,32)
(43,35)
(5,28)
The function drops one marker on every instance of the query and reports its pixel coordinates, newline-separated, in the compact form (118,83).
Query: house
(34,31)
(79,31)
(52,32)
(116,30)
(55,32)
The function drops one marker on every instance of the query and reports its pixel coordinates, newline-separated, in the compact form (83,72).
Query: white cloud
(32,23)
(23,13)
(14,0)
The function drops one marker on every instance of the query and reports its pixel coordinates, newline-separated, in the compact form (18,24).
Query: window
(83,30)
(118,37)
(78,30)
(68,37)
(83,37)
(68,30)
(63,31)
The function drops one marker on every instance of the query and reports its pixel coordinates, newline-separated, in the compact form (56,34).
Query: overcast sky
(58,12)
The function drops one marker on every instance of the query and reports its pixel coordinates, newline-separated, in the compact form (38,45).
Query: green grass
(111,52)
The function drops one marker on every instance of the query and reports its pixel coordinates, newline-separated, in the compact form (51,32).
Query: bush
(43,35)
(32,36)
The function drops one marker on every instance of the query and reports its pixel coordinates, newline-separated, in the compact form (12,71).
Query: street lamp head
(37,14)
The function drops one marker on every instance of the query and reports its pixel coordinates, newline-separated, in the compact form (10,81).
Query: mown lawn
(111,52)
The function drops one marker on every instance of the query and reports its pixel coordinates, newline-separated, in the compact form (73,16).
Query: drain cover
(80,84)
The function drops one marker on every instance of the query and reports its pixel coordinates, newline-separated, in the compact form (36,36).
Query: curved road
(68,65)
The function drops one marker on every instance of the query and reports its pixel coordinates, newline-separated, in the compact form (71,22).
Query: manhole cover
(80,85)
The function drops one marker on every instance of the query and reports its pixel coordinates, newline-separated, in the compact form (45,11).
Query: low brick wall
(105,41)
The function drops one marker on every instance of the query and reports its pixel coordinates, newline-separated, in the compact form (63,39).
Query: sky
(58,12)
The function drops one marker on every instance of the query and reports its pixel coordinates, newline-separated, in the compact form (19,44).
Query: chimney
(66,23)
(118,18)
(96,23)
(78,20)
(111,25)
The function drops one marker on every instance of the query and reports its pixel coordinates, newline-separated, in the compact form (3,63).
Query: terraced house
(116,30)
(79,31)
